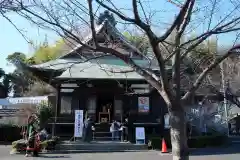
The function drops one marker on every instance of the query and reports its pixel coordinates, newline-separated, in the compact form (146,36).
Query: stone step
(234,139)
(102,127)
(102,138)
(99,146)
(102,134)
(91,151)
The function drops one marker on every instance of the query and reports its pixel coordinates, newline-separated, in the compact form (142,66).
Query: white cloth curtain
(66,105)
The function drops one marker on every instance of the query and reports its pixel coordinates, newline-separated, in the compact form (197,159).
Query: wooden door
(117,109)
(91,107)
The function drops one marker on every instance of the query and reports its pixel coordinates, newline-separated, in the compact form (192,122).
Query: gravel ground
(232,153)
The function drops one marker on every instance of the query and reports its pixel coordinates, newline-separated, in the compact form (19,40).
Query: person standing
(125,130)
(114,129)
(84,130)
(88,130)
(31,135)
(131,128)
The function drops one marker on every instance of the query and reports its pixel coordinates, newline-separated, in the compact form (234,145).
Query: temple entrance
(104,109)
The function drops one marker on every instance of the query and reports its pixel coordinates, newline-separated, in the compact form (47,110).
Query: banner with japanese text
(78,125)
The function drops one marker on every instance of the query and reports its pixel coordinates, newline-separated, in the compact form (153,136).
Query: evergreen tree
(106,16)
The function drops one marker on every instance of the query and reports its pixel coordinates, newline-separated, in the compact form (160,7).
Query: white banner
(78,125)
(28,100)
(166,121)
(140,133)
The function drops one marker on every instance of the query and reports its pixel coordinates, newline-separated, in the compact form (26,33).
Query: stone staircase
(234,140)
(97,146)
(102,132)
(102,142)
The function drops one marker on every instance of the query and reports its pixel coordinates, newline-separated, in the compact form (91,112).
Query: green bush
(207,141)
(19,145)
(47,144)
(9,133)
(44,112)
(195,142)
(156,142)
(50,144)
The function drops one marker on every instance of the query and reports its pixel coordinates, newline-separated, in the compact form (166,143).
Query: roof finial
(106,16)
(45,43)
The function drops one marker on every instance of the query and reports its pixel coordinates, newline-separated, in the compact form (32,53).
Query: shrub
(44,112)
(50,144)
(20,145)
(207,141)
(9,133)
(157,142)
(195,142)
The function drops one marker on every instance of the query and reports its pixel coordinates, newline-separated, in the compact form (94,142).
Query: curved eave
(44,74)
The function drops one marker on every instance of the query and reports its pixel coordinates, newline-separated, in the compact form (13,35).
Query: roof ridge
(86,39)
(98,29)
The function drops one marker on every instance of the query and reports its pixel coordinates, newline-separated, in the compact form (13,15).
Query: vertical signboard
(140,135)
(78,125)
(143,104)
(166,121)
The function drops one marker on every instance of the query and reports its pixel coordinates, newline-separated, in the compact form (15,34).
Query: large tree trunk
(178,133)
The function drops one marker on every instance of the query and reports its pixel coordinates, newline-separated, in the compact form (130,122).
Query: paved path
(210,154)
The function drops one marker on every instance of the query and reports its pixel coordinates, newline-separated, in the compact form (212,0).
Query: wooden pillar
(57,107)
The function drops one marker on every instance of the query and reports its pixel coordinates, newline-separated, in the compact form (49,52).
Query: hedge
(207,141)
(195,142)
(9,133)
(20,145)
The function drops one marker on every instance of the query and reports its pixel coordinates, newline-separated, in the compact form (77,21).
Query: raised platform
(99,146)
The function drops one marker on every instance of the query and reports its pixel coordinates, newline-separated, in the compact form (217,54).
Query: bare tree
(66,16)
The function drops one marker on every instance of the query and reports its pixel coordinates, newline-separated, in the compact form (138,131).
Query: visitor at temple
(31,137)
(125,130)
(88,129)
(114,129)
(119,130)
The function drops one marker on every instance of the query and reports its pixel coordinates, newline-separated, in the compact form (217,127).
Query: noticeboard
(140,134)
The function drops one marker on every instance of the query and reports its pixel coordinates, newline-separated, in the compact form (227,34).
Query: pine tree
(106,16)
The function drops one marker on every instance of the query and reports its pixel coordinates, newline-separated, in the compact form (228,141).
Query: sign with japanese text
(78,125)
(143,104)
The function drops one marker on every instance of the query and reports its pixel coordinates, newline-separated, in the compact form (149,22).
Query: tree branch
(217,30)
(199,80)
(58,26)
(186,17)
(152,38)
(178,20)
(176,62)
(149,77)
(135,11)
(91,15)
(123,17)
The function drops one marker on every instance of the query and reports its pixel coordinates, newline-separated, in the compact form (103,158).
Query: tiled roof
(57,64)
(67,67)
(99,71)
(111,30)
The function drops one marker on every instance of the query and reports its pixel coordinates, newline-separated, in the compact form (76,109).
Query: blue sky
(11,41)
